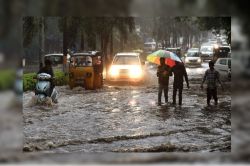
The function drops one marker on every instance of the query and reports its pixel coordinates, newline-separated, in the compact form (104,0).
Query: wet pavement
(125,118)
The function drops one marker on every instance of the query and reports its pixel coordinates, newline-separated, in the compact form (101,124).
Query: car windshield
(55,59)
(126,60)
(225,49)
(206,49)
(149,45)
(193,49)
(79,61)
(192,54)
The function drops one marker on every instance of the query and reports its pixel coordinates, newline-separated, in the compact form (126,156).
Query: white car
(193,50)
(192,58)
(126,66)
(223,66)
(207,52)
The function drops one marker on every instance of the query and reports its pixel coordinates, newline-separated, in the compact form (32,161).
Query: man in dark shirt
(179,71)
(163,73)
(48,69)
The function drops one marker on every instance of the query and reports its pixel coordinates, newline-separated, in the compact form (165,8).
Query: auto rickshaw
(85,70)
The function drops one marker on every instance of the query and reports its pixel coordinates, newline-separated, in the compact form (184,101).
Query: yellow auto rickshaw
(86,69)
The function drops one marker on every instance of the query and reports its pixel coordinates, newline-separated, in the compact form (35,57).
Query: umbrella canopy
(170,57)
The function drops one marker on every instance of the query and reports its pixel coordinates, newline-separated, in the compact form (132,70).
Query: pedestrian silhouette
(211,77)
(163,73)
(179,71)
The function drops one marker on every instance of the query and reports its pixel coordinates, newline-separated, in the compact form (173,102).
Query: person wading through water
(179,71)
(163,73)
(211,77)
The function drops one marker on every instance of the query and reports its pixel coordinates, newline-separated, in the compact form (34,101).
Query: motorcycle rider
(48,70)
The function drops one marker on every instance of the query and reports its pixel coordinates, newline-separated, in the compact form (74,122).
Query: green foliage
(7,79)
(29,83)
(60,78)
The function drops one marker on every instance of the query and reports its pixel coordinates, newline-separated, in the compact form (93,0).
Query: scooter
(42,90)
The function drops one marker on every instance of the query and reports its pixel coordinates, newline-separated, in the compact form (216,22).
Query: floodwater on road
(127,119)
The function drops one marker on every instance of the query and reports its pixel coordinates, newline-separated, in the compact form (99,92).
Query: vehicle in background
(193,50)
(127,66)
(223,66)
(56,60)
(149,47)
(160,46)
(192,58)
(206,52)
(212,42)
(221,52)
(224,43)
(176,50)
(86,70)
(142,54)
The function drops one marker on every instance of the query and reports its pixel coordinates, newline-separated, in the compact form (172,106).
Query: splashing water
(34,101)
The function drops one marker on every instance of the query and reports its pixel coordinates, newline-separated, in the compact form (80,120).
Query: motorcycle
(42,90)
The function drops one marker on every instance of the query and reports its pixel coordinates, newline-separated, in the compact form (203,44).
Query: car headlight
(186,60)
(199,60)
(113,71)
(135,72)
(216,46)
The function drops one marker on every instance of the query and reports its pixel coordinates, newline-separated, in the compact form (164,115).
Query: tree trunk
(104,45)
(175,39)
(121,43)
(41,41)
(82,40)
(111,44)
(65,43)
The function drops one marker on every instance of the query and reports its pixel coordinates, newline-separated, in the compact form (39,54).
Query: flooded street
(127,119)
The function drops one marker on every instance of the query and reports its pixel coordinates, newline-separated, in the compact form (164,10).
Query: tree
(93,27)
(33,26)
(70,27)
(217,24)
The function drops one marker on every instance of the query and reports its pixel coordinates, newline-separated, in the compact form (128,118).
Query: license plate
(123,71)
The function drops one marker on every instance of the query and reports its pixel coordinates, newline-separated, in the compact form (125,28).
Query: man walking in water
(211,77)
(179,71)
(163,73)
